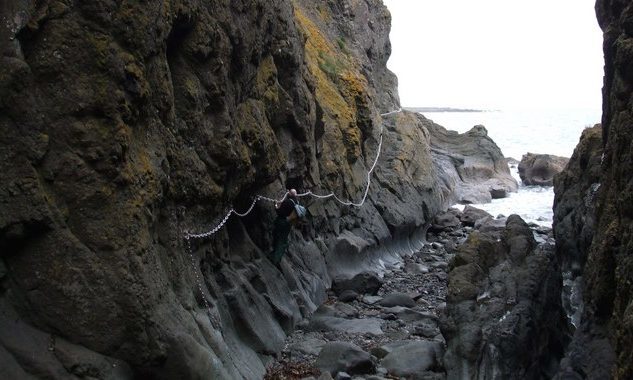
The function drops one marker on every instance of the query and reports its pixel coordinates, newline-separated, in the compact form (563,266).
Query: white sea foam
(518,132)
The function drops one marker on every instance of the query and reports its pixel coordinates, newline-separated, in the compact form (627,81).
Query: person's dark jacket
(286,207)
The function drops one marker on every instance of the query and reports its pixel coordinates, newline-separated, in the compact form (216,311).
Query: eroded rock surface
(601,346)
(540,169)
(503,315)
(471,165)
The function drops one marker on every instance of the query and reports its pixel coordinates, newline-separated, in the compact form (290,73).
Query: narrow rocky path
(377,328)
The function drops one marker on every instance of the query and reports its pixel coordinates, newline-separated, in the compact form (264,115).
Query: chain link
(308,193)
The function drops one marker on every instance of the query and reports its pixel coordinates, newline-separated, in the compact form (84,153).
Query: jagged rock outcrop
(471,165)
(575,191)
(503,317)
(540,169)
(601,346)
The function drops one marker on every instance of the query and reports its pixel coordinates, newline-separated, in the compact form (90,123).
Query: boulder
(470,164)
(471,215)
(446,221)
(348,295)
(362,283)
(344,357)
(540,169)
(413,358)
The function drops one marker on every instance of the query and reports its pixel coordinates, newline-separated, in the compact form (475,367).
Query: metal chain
(257,198)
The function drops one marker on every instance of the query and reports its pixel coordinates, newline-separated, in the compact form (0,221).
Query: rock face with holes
(125,124)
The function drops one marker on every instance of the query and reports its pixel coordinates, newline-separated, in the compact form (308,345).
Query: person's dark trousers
(280,239)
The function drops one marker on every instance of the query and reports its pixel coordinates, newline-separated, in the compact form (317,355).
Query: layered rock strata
(122,126)
(471,166)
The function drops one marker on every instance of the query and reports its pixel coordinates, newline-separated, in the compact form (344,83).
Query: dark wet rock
(576,195)
(348,295)
(471,215)
(446,221)
(397,299)
(575,190)
(344,357)
(540,169)
(470,163)
(362,283)
(503,314)
(497,192)
(607,327)
(490,225)
(412,359)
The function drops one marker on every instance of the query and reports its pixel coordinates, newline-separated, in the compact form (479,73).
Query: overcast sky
(497,54)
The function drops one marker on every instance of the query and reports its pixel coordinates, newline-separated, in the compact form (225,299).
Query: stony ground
(391,334)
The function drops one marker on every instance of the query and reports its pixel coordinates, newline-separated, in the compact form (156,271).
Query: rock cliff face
(124,124)
(601,347)
(503,317)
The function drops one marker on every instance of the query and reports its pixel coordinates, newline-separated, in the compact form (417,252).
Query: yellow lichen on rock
(340,90)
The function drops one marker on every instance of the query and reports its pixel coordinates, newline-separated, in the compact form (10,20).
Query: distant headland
(440,109)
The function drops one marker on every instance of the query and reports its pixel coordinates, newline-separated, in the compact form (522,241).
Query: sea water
(517,132)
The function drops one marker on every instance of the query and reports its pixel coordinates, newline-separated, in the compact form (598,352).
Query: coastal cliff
(125,126)
(593,211)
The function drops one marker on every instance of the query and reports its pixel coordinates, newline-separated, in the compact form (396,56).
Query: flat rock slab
(410,359)
(344,357)
(308,347)
(353,326)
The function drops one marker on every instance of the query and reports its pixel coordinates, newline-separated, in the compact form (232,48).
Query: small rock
(416,268)
(343,376)
(370,300)
(344,357)
(397,299)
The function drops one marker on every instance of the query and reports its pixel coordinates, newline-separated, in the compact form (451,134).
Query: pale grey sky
(497,54)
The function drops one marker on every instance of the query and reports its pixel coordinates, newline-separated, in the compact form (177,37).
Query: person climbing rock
(285,209)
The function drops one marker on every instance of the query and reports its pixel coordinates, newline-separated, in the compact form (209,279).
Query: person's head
(292,193)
